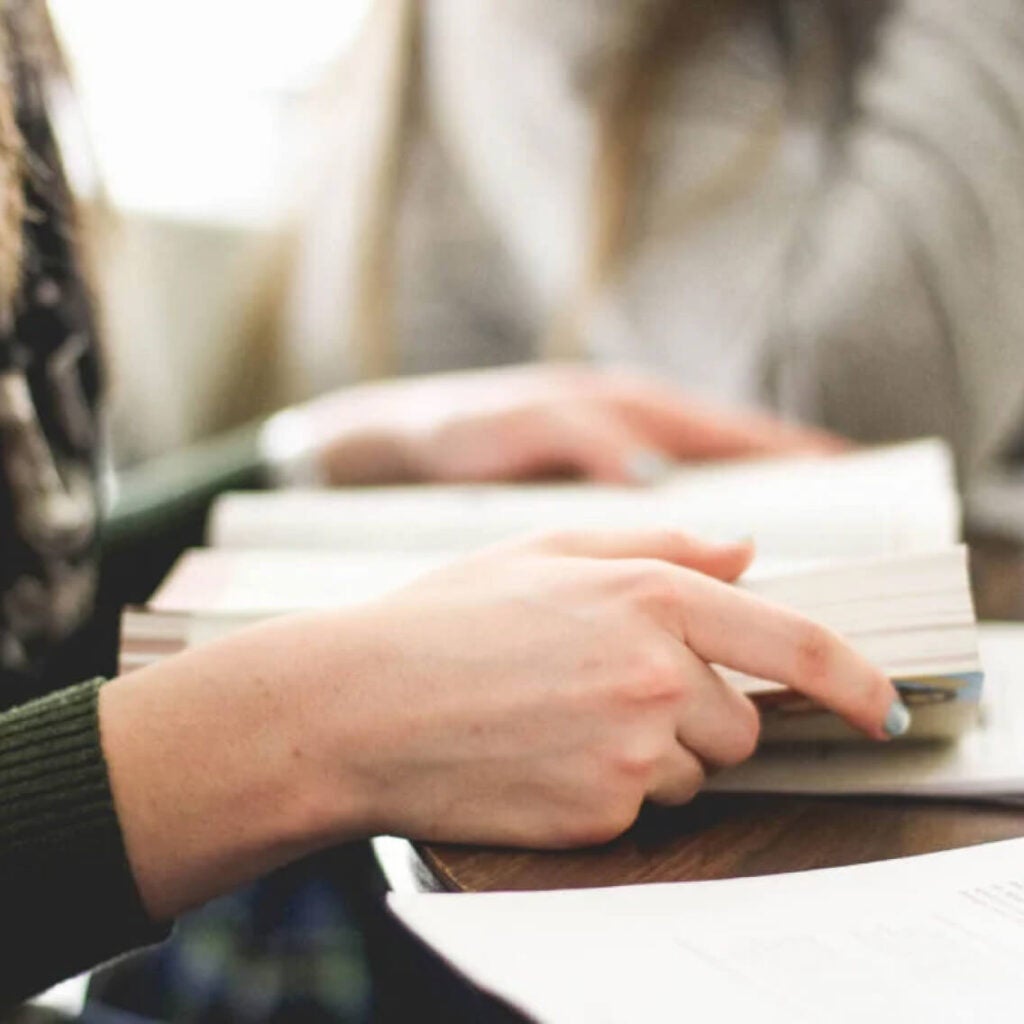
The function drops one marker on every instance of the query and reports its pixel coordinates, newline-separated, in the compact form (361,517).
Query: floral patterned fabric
(49,390)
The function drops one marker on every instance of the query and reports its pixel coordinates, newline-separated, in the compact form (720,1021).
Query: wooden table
(728,836)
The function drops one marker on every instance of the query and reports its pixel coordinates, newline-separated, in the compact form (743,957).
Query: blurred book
(881,501)
(911,614)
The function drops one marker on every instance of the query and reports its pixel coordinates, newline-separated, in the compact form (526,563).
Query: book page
(938,938)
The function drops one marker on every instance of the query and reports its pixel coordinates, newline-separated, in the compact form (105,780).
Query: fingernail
(897,721)
(647,467)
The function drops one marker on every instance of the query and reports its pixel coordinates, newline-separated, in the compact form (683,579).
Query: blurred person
(124,803)
(815,206)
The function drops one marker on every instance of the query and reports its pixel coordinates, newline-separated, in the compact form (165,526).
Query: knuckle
(815,654)
(654,677)
(635,765)
(650,587)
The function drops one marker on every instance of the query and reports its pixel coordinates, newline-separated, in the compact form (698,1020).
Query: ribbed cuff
(66,886)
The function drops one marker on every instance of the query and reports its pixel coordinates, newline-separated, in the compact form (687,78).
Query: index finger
(729,627)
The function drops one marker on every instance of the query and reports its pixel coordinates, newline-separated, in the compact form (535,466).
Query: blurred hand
(534,422)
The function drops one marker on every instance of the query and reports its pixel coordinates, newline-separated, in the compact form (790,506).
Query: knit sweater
(68,894)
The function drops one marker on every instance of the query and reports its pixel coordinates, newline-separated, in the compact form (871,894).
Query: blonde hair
(12,196)
(262,329)
(29,50)
(373,327)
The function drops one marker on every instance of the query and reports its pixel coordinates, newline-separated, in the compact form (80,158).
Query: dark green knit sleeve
(68,895)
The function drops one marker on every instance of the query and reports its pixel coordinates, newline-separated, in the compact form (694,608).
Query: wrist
(212,775)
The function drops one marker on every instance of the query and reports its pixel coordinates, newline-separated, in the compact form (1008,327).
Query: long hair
(257,382)
(666,35)
(12,202)
(30,52)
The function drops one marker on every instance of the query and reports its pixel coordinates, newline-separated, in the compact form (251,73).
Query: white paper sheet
(937,939)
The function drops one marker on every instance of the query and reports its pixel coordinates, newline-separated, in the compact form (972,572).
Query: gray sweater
(865,278)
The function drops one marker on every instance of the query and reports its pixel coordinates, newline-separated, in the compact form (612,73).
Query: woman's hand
(530,422)
(535,694)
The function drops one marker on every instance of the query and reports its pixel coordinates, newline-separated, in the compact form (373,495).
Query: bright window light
(191,104)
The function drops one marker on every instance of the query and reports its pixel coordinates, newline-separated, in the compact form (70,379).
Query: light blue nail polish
(647,467)
(897,721)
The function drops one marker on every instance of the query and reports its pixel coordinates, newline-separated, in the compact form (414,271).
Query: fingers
(538,441)
(688,429)
(594,445)
(717,726)
(717,723)
(723,561)
(726,626)
(677,779)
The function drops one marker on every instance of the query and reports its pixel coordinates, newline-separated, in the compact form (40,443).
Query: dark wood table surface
(728,836)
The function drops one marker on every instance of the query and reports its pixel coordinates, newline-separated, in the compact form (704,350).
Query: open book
(872,502)
(911,614)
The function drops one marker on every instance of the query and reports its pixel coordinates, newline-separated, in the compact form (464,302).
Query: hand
(543,691)
(535,695)
(535,421)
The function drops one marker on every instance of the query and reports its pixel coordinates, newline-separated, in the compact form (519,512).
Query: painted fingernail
(897,721)
(647,467)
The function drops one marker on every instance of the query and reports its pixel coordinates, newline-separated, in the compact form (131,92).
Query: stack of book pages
(910,614)
(864,543)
